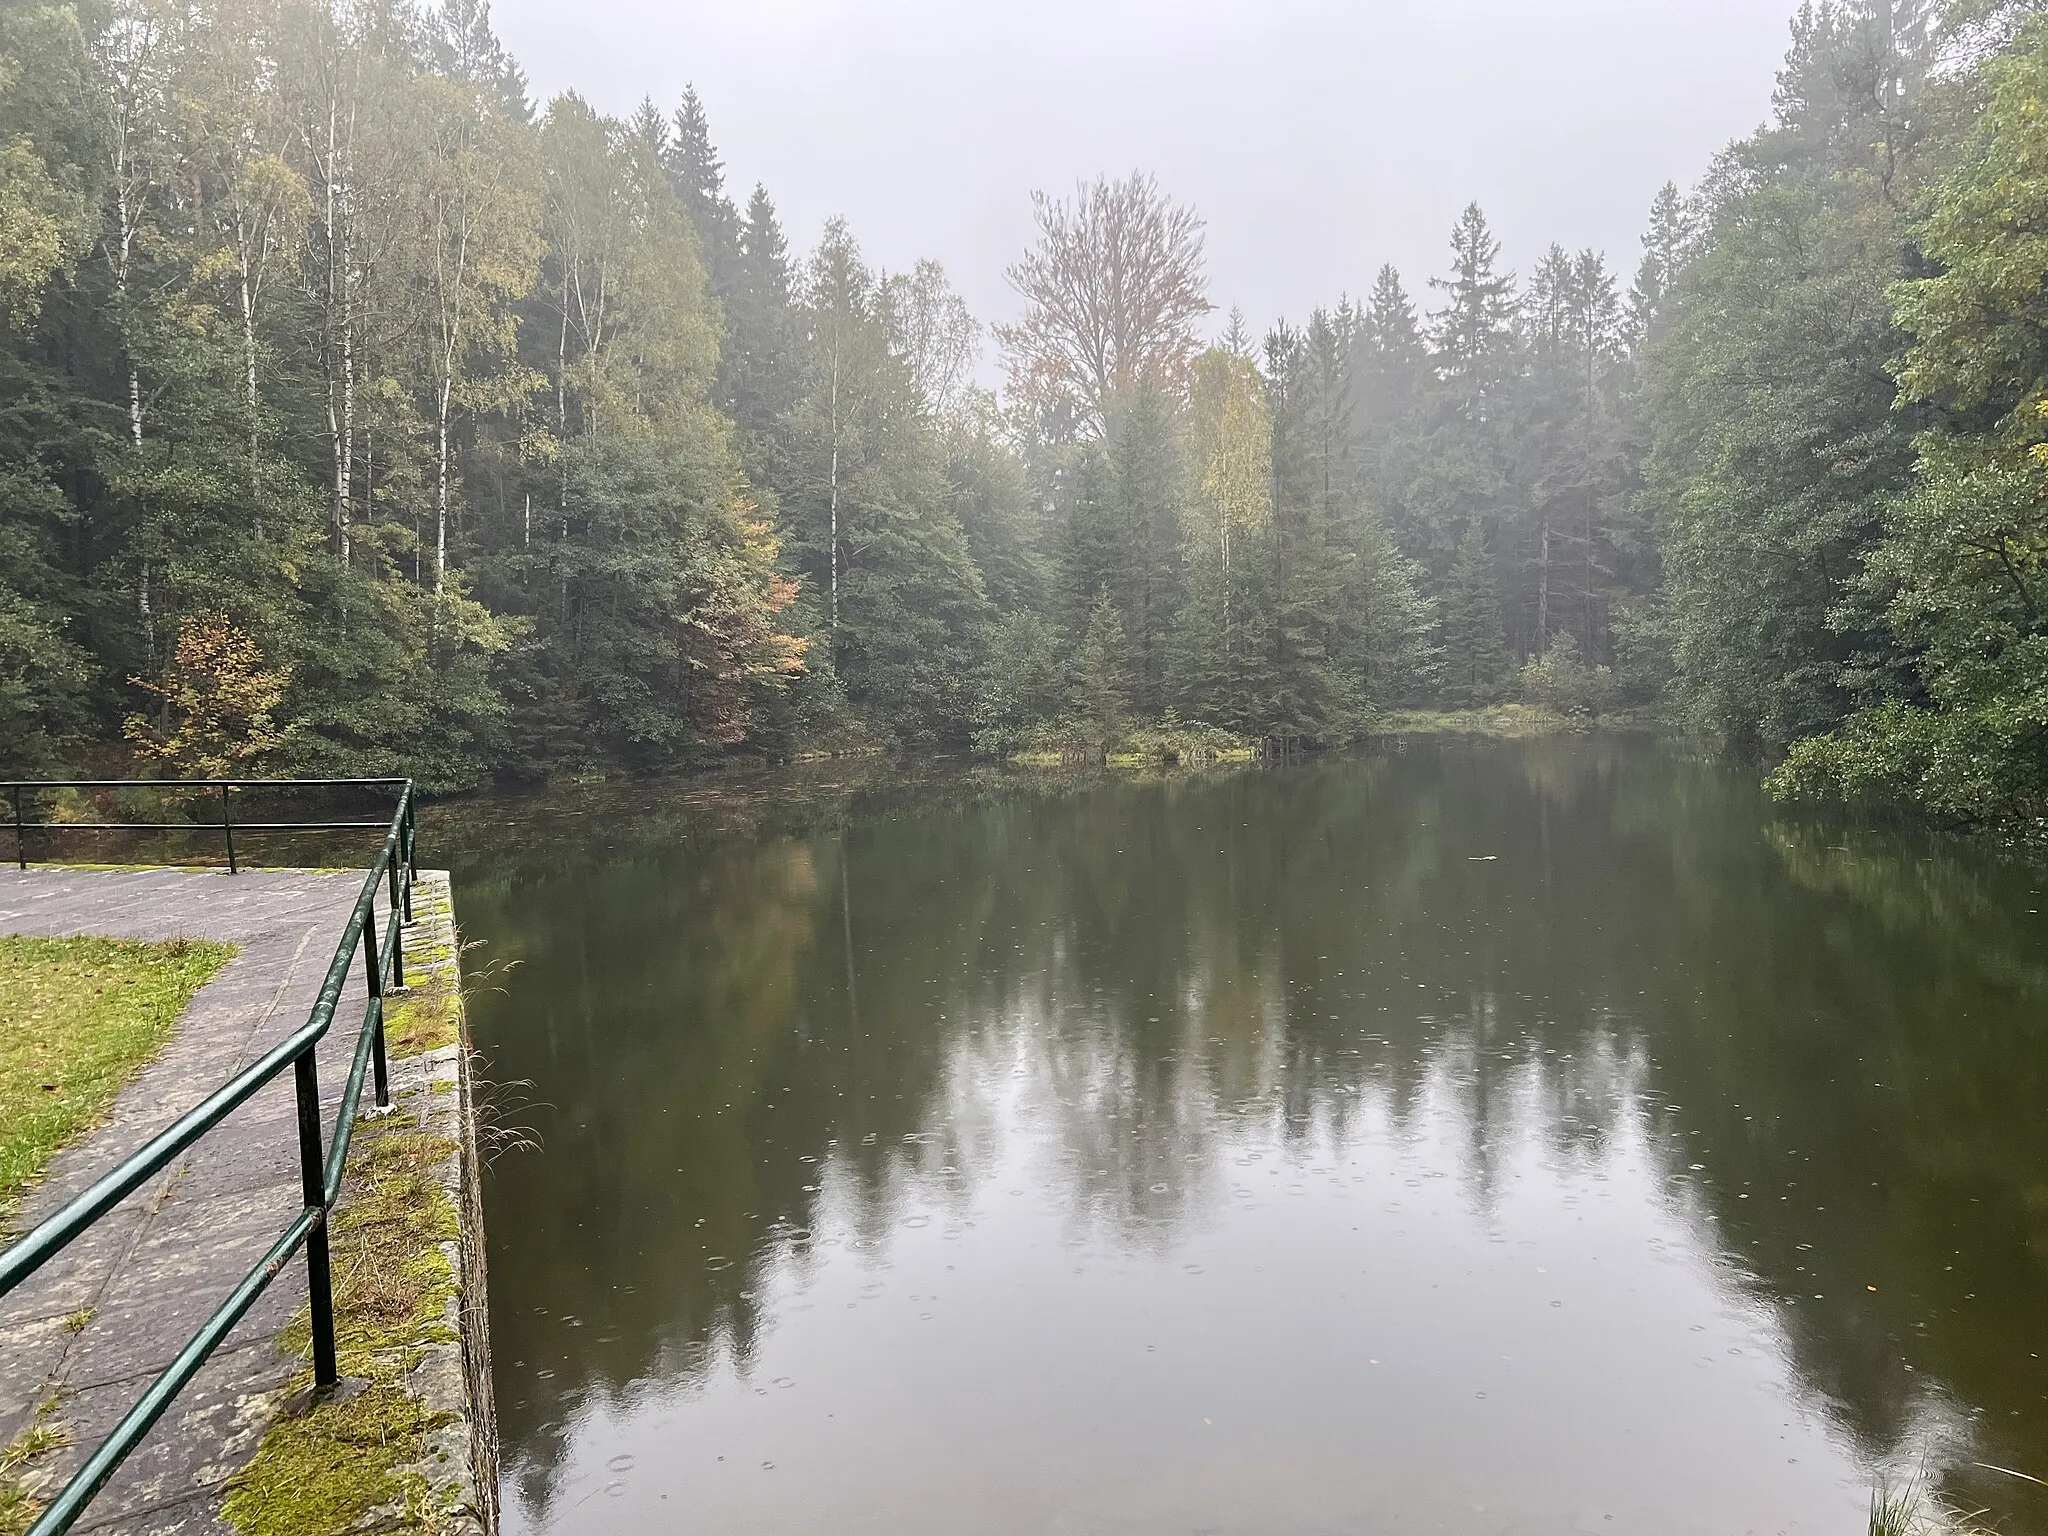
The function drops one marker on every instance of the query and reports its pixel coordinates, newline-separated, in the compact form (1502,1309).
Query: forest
(359,414)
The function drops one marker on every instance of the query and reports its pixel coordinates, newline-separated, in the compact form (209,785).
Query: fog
(1318,138)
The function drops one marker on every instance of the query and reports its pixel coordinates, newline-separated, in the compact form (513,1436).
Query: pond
(1547,1136)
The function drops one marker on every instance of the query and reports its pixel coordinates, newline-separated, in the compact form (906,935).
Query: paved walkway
(146,1277)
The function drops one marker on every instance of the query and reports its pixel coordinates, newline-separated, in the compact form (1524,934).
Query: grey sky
(1318,138)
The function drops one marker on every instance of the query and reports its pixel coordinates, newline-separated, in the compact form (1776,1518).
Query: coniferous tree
(1777,445)
(1469,458)
(1087,554)
(1315,697)
(1664,245)
(698,178)
(1101,670)
(1474,649)
(1145,576)
(760,367)
(899,612)
(1392,386)
(1473,332)
(993,502)
(1220,646)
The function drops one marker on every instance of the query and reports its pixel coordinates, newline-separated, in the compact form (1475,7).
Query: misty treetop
(360,414)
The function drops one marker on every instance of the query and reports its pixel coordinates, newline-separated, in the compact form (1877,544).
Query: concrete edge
(453,1378)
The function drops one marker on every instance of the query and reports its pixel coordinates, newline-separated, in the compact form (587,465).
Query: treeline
(358,415)
(1847,464)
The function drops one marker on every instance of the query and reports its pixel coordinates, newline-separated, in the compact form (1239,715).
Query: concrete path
(95,1325)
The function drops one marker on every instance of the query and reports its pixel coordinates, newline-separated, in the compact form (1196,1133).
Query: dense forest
(359,414)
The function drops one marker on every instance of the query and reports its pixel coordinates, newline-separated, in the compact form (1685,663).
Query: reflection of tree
(1558,944)
(1871,1076)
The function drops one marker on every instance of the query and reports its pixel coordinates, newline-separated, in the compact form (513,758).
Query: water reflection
(1539,1136)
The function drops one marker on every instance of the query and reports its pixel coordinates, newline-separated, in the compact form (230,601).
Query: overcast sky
(1318,138)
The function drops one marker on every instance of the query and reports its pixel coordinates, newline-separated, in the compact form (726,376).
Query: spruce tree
(1315,695)
(694,171)
(1089,555)
(1474,330)
(1390,361)
(1101,670)
(1663,254)
(1475,656)
(1145,464)
(759,369)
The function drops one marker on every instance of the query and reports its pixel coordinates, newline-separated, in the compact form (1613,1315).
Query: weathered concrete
(82,1339)
(453,1378)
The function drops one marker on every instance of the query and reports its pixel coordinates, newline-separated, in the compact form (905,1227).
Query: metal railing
(227,825)
(320,1165)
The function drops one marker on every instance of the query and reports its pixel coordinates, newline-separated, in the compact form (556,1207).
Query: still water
(1532,1137)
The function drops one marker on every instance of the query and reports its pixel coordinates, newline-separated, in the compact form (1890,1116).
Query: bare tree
(1113,288)
(931,329)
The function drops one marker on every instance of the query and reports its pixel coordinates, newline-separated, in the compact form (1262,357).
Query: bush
(1560,681)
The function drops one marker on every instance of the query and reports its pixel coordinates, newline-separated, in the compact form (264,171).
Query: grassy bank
(1169,743)
(77,1018)
(1506,722)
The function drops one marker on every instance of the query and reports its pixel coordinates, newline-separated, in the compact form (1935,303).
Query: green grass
(18,1505)
(77,1018)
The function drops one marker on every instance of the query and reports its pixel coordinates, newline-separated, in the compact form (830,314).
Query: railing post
(397,951)
(399,914)
(374,967)
(410,837)
(227,821)
(373,964)
(20,835)
(380,1072)
(319,1264)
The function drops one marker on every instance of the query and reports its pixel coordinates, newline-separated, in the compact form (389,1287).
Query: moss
(352,1460)
(78,1017)
(327,1468)
(425,1018)
(330,1468)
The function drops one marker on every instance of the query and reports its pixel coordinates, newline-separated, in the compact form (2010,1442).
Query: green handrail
(321,1165)
(227,824)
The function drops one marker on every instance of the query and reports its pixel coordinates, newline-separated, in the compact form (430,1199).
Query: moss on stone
(427,1016)
(353,1461)
(331,1467)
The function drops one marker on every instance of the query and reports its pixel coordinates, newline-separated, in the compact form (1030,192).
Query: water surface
(1530,1137)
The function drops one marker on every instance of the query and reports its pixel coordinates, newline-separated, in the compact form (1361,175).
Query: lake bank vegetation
(363,415)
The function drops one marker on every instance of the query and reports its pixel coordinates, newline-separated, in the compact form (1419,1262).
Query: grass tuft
(1895,1511)
(1909,1509)
(19,1506)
